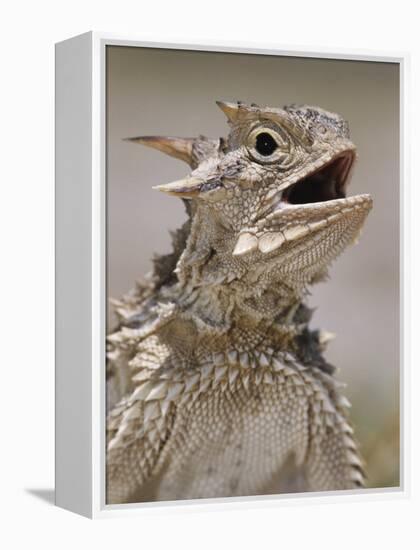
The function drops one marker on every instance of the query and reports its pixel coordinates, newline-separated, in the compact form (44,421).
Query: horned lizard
(217,385)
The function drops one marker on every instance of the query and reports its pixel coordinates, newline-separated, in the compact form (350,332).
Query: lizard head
(269,201)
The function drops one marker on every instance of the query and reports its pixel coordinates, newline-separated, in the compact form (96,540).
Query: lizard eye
(268,145)
(265,144)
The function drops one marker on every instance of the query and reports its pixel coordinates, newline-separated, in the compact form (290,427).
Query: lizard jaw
(291,223)
(313,203)
(307,206)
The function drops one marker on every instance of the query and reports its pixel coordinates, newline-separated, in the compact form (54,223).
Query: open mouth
(325,184)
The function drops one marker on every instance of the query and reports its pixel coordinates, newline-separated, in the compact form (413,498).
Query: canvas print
(235,341)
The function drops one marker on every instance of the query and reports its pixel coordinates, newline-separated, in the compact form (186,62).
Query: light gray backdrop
(169,92)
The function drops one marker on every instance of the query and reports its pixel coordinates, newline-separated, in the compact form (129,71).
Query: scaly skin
(217,386)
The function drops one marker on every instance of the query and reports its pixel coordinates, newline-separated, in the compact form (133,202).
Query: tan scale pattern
(216,385)
(225,422)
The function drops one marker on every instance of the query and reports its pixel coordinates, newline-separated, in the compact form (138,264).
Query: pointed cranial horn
(179,148)
(187,188)
(231,110)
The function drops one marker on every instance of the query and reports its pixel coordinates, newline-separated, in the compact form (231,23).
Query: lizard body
(217,385)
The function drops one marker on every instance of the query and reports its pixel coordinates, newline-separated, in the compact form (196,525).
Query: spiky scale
(158,391)
(233,357)
(220,373)
(233,374)
(191,382)
(174,390)
(151,411)
(263,360)
(244,359)
(142,391)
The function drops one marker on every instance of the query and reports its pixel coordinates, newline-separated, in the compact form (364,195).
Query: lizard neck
(235,305)
(223,290)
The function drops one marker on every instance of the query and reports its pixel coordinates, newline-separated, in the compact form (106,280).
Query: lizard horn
(231,110)
(186,188)
(179,148)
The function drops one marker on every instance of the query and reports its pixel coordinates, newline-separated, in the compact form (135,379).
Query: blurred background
(173,92)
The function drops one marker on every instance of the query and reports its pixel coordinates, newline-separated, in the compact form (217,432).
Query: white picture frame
(80,273)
